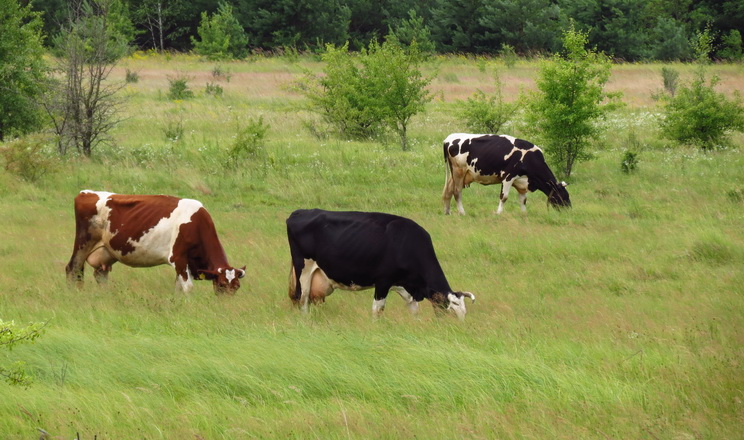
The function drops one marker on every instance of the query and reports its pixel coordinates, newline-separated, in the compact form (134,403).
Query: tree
(10,336)
(23,71)
(221,36)
(569,101)
(533,25)
(157,18)
(281,24)
(396,83)
(83,106)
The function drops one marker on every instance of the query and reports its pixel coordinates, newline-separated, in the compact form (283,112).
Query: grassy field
(621,318)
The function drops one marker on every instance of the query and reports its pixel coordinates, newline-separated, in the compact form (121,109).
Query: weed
(131,77)
(29,158)
(213,89)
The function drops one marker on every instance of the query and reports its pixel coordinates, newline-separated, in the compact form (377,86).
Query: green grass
(620,318)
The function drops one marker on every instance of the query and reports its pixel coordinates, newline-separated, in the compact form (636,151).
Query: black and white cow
(360,250)
(489,159)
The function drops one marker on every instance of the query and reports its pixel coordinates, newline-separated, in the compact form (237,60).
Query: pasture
(620,318)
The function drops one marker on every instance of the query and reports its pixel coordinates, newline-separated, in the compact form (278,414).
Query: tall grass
(620,318)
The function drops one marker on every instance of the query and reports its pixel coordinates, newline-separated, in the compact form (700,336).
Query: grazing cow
(489,159)
(144,231)
(360,250)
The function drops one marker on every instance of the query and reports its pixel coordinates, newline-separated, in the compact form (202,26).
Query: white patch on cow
(413,305)
(523,153)
(229,274)
(184,284)
(457,305)
(378,306)
(156,245)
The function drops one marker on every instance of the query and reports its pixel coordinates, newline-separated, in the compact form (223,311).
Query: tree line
(630,30)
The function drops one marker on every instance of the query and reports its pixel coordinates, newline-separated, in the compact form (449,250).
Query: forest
(627,30)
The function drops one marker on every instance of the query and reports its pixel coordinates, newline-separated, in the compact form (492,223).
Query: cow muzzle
(457,303)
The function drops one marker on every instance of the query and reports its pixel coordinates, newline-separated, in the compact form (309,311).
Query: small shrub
(179,88)
(487,114)
(508,55)
(699,115)
(220,73)
(671,79)
(213,89)
(174,127)
(131,77)
(249,143)
(29,158)
(629,163)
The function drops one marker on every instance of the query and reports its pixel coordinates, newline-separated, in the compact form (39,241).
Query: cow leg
(458,184)
(75,268)
(184,279)
(412,304)
(505,187)
(306,282)
(522,186)
(449,187)
(378,305)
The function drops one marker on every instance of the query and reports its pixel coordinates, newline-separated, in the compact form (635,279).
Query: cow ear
(241,272)
(206,274)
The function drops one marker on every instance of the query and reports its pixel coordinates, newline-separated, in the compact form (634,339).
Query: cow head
(558,196)
(224,279)
(453,301)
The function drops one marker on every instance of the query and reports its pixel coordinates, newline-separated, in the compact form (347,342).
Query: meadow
(620,318)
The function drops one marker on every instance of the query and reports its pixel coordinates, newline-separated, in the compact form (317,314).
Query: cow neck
(436,281)
(214,253)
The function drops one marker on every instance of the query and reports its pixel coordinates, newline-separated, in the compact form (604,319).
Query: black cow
(360,250)
(489,159)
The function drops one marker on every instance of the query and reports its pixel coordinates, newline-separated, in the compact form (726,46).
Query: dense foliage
(22,69)
(698,114)
(365,95)
(625,29)
(220,35)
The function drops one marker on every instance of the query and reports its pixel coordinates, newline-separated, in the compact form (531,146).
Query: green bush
(10,336)
(131,77)
(508,55)
(671,79)
(179,88)
(629,162)
(731,46)
(174,126)
(487,114)
(365,96)
(213,89)
(249,143)
(29,158)
(699,115)
(221,36)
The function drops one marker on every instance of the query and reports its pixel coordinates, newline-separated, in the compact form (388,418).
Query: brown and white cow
(489,159)
(145,231)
